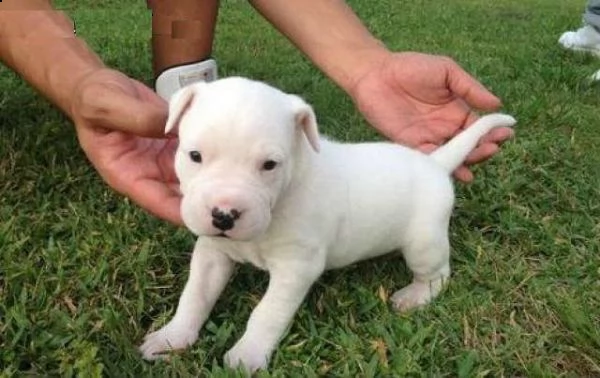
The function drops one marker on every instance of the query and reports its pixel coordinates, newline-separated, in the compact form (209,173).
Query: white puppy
(259,185)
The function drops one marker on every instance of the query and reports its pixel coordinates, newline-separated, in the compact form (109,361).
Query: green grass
(84,273)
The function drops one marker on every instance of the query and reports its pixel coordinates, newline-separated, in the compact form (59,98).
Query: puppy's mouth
(222,235)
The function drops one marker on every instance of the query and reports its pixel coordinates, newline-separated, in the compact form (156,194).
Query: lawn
(84,273)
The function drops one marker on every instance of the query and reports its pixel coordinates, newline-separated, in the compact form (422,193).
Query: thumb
(115,109)
(470,90)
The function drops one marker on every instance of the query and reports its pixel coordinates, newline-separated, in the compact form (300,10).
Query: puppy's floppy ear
(179,104)
(305,118)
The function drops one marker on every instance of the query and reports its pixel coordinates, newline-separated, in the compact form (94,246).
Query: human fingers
(468,89)
(463,174)
(489,145)
(427,148)
(133,109)
(157,198)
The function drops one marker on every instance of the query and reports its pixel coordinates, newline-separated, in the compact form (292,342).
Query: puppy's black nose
(224,220)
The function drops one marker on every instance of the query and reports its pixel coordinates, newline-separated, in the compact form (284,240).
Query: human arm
(329,33)
(111,112)
(39,44)
(182,31)
(416,99)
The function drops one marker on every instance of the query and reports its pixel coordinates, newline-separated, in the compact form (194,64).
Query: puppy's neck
(305,161)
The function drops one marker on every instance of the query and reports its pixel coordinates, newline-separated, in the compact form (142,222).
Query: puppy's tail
(452,154)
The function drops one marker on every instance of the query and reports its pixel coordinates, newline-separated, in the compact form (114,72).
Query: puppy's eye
(269,165)
(196,157)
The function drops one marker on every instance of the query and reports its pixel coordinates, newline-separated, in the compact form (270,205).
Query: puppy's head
(239,141)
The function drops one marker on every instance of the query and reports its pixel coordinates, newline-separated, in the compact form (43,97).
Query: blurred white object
(173,79)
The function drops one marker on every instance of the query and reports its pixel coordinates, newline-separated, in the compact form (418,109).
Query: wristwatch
(173,79)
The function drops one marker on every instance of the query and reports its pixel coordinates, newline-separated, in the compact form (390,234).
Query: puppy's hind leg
(428,257)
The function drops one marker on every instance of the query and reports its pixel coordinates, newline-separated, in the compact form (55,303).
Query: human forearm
(38,43)
(182,31)
(329,33)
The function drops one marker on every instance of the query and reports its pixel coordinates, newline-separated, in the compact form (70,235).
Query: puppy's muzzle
(224,220)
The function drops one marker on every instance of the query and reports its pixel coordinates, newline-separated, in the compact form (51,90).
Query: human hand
(423,100)
(120,126)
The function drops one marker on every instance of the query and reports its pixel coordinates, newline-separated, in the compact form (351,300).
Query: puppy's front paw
(414,295)
(248,355)
(168,338)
